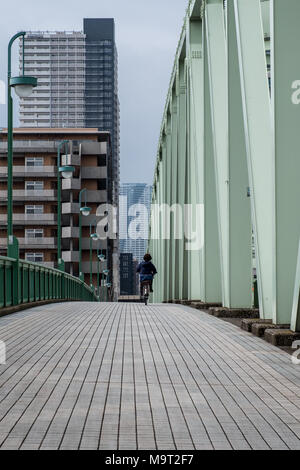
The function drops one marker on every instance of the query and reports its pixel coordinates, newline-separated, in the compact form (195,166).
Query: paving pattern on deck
(125,376)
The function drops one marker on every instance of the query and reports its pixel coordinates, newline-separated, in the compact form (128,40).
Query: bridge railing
(23,282)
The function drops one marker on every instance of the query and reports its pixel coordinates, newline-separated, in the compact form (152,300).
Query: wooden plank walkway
(125,376)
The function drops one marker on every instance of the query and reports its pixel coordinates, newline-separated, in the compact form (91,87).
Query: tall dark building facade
(128,276)
(101,84)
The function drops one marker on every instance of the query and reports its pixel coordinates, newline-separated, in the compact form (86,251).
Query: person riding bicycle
(147,271)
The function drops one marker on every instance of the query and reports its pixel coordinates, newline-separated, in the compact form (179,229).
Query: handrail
(24,282)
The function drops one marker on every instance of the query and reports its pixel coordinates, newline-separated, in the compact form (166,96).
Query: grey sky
(147,33)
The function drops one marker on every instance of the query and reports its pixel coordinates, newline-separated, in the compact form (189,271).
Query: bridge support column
(285,83)
(161,269)
(195,159)
(240,226)
(174,198)
(168,201)
(217,68)
(211,252)
(258,131)
(182,146)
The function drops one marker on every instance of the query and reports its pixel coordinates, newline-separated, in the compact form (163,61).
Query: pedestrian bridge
(228,153)
(124,376)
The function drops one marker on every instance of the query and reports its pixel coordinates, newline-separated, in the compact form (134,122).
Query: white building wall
(58,61)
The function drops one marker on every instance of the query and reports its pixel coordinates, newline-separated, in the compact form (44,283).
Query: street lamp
(108,284)
(101,259)
(93,237)
(85,212)
(23,87)
(67,173)
(98,273)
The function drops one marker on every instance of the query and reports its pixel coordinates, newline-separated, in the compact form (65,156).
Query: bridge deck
(123,376)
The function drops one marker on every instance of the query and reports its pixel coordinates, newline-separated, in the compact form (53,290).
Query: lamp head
(23,85)
(67,171)
(85,211)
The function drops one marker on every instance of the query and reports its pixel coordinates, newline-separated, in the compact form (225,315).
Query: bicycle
(145,285)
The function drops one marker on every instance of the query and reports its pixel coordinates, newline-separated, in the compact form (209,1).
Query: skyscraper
(135,203)
(77,82)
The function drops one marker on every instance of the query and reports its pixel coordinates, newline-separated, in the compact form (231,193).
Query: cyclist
(147,271)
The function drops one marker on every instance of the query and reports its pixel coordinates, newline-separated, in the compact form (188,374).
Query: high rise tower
(77,82)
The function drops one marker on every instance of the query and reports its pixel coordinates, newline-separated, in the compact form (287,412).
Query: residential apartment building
(35,197)
(135,202)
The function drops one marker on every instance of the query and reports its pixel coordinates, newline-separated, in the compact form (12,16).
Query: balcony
(86,267)
(34,109)
(93,172)
(70,232)
(70,208)
(71,184)
(30,219)
(25,195)
(101,244)
(22,171)
(70,256)
(96,196)
(94,148)
(33,243)
(73,160)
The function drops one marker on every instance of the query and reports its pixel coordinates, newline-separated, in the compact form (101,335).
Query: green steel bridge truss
(230,143)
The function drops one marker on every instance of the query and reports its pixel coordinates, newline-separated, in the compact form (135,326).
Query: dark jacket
(146,269)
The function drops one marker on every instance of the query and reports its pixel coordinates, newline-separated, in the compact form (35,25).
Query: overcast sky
(147,33)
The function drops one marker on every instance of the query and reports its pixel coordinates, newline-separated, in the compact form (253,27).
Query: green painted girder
(285,79)
(258,132)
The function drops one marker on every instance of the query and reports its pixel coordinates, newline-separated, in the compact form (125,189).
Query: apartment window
(34,185)
(101,183)
(34,209)
(34,161)
(101,160)
(35,233)
(35,257)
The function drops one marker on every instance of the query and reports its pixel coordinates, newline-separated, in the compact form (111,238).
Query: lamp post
(23,87)
(98,274)
(106,273)
(102,259)
(93,236)
(108,286)
(83,211)
(66,172)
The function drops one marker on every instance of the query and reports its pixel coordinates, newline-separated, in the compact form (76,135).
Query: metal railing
(23,282)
